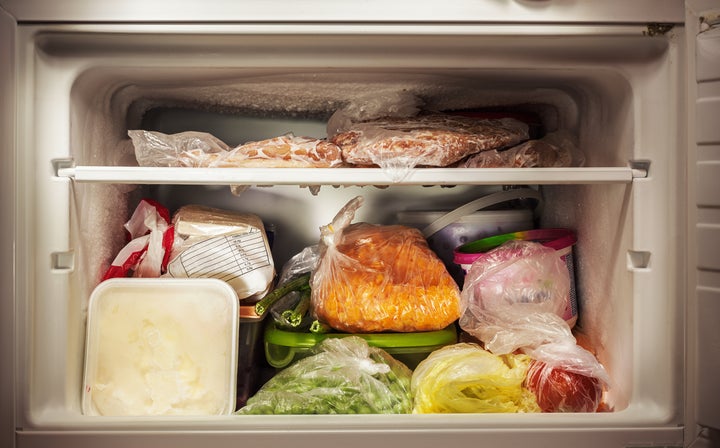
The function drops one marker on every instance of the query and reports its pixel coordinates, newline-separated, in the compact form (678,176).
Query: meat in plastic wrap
(465,378)
(342,376)
(375,278)
(555,150)
(200,149)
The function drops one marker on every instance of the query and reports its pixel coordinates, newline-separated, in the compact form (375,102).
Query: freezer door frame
(8,27)
(703,207)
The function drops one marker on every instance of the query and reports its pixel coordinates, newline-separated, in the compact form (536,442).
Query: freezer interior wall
(596,100)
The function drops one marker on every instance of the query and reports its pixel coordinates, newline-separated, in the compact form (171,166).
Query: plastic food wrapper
(222,244)
(465,378)
(393,133)
(555,150)
(566,378)
(373,278)
(200,149)
(512,300)
(514,296)
(288,309)
(150,241)
(342,376)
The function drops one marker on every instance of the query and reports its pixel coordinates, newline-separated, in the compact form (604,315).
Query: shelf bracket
(63,167)
(640,168)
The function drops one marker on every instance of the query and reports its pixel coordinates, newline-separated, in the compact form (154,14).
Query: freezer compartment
(613,92)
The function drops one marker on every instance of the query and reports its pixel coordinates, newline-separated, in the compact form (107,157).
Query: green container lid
(282,347)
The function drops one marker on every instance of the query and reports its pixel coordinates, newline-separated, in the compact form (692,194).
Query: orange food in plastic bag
(375,278)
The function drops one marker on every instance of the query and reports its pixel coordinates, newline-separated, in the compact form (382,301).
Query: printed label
(225,257)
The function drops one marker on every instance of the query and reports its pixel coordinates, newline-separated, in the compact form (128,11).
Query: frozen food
(343,376)
(161,347)
(223,244)
(431,139)
(465,378)
(199,149)
(374,278)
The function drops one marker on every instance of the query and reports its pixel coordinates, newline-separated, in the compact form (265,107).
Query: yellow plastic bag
(465,378)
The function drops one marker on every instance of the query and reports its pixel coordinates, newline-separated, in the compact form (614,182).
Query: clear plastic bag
(374,278)
(200,149)
(342,376)
(288,312)
(565,377)
(514,296)
(555,150)
(466,378)
(513,300)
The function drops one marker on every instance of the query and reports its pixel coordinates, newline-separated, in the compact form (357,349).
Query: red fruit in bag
(559,390)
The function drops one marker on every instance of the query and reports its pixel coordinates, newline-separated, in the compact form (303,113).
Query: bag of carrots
(375,278)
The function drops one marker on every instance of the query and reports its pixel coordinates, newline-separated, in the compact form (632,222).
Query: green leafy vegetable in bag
(343,376)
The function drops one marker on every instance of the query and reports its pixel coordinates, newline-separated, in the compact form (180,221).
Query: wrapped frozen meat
(375,278)
(223,244)
(555,150)
(199,149)
(465,378)
(427,139)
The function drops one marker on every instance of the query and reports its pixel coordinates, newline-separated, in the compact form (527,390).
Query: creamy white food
(155,354)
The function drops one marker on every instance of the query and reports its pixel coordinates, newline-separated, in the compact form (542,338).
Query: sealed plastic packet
(375,278)
(222,244)
(342,376)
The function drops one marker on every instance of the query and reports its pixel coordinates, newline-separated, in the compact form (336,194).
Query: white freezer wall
(65,120)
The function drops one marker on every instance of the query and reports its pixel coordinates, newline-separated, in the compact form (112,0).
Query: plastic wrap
(566,378)
(150,239)
(465,378)
(223,244)
(342,376)
(373,278)
(199,149)
(398,144)
(556,150)
(514,296)
(513,300)
(290,311)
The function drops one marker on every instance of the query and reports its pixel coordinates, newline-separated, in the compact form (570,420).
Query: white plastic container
(160,346)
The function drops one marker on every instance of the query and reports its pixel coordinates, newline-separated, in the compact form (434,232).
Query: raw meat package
(200,149)
(428,139)
(374,278)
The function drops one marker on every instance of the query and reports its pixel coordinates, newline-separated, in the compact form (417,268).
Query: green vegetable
(319,327)
(297,284)
(294,317)
(343,376)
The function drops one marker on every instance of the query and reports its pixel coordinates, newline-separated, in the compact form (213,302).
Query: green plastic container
(283,347)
